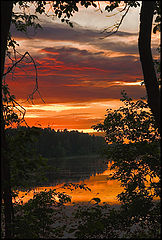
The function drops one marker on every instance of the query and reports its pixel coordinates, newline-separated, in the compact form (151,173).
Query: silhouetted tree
(64,10)
(150,79)
(6,13)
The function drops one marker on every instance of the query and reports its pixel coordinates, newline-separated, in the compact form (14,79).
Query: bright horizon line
(88,130)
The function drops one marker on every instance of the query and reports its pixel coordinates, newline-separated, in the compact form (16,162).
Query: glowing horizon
(80,75)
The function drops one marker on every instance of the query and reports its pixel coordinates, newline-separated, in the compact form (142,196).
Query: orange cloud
(75,67)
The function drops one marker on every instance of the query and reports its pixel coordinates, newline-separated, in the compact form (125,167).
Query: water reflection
(100,187)
(75,169)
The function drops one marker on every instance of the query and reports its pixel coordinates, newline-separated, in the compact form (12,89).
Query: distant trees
(37,155)
(51,143)
(64,10)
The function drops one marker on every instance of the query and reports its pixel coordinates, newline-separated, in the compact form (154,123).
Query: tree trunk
(144,45)
(6,14)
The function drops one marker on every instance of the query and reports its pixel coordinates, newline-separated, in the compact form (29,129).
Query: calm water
(95,178)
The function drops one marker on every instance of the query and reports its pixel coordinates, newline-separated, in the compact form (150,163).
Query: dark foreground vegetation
(136,163)
(135,151)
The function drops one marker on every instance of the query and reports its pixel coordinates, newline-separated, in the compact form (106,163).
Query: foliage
(64,10)
(134,148)
(45,215)
(96,221)
(23,21)
(157,64)
(103,221)
(28,168)
(8,107)
(157,13)
(133,162)
(131,123)
(60,9)
(35,218)
(26,165)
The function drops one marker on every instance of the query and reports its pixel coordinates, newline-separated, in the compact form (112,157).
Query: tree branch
(117,25)
(36,89)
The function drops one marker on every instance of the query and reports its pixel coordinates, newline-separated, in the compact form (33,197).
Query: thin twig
(116,26)
(15,104)
(30,97)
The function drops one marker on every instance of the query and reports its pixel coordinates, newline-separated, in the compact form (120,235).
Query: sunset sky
(80,74)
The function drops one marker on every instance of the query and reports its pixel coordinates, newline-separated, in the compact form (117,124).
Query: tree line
(37,155)
(63,143)
(149,9)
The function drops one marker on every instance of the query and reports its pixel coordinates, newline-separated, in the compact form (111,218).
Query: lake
(94,175)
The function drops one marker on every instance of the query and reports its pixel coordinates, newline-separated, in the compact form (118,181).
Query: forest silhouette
(133,161)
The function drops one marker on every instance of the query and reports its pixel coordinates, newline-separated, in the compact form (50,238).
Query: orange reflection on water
(100,187)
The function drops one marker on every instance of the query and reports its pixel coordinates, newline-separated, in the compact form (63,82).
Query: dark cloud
(69,74)
(62,32)
(94,71)
(70,64)
(97,63)
(119,46)
(83,94)
(60,89)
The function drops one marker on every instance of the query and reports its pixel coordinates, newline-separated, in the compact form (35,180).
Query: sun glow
(54,107)
(81,72)
(98,184)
